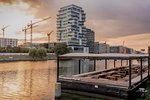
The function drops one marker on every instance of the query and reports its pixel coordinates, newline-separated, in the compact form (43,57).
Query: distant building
(8,42)
(104,48)
(90,35)
(71,29)
(96,47)
(28,45)
(52,44)
(116,49)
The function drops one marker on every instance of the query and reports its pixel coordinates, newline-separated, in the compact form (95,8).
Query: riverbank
(10,58)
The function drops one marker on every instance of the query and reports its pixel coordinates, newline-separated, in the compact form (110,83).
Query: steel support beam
(114,63)
(148,65)
(79,66)
(57,68)
(94,64)
(105,63)
(121,62)
(141,69)
(130,74)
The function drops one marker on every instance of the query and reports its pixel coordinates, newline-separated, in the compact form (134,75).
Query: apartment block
(8,42)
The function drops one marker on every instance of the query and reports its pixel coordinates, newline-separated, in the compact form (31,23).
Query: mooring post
(114,63)
(57,68)
(141,69)
(129,73)
(94,65)
(105,63)
(79,66)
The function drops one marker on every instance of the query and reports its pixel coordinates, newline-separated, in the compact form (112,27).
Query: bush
(33,53)
(38,53)
(61,49)
(41,52)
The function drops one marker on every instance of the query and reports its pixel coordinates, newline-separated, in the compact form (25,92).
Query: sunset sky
(113,21)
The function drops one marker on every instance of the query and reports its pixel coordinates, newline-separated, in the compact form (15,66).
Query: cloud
(9,2)
(110,19)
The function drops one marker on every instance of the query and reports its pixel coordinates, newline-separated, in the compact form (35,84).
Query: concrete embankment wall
(7,54)
(7,57)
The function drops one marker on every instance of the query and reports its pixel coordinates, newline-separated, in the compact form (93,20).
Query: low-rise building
(8,42)
(116,49)
(104,48)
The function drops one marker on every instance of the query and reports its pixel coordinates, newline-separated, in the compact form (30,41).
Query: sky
(113,21)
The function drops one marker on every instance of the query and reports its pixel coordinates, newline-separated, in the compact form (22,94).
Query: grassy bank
(23,57)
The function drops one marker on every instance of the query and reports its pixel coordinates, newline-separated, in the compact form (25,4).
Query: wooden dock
(121,82)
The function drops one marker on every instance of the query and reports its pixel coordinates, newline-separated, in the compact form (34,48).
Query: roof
(104,56)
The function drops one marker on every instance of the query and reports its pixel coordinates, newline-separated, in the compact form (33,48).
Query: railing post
(94,65)
(148,60)
(121,62)
(141,69)
(129,73)
(57,68)
(105,63)
(127,62)
(79,66)
(148,64)
(114,63)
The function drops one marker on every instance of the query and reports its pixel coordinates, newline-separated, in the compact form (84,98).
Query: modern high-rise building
(90,36)
(71,29)
(8,42)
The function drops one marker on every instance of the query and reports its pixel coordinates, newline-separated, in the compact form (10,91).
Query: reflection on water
(36,80)
(71,67)
(27,80)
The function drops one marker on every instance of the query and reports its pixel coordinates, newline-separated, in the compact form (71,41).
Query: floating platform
(112,82)
(117,83)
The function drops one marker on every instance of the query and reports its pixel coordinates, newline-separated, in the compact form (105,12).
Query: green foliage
(38,53)
(50,50)
(2,50)
(10,49)
(41,52)
(61,49)
(33,53)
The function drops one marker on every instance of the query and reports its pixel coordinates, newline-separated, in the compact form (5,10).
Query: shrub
(33,53)
(41,52)
(61,49)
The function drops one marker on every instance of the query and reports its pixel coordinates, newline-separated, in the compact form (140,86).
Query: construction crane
(3,29)
(48,34)
(25,32)
(31,26)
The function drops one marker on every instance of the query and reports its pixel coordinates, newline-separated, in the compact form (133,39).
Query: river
(28,80)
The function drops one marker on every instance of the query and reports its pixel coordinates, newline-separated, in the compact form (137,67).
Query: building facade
(104,48)
(96,47)
(116,49)
(71,29)
(8,42)
(90,36)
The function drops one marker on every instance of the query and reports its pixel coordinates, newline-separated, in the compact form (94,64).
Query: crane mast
(48,34)
(31,25)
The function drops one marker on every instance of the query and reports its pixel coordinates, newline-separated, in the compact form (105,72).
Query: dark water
(36,80)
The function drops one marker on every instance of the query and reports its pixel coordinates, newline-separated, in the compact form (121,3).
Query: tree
(61,49)
(24,50)
(33,53)
(41,52)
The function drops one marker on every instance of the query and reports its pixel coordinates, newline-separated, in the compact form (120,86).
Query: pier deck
(119,82)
